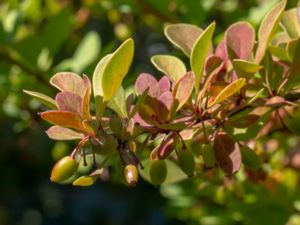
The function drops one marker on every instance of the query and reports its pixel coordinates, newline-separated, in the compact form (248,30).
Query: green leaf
(291,23)
(243,121)
(295,68)
(228,91)
(250,159)
(267,29)
(169,65)
(116,69)
(183,36)
(245,69)
(97,85)
(62,133)
(139,102)
(279,52)
(118,103)
(200,51)
(87,52)
(50,102)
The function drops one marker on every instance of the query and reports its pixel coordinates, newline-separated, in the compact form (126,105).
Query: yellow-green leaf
(118,103)
(85,181)
(200,51)
(116,69)
(228,91)
(169,65)
(97,85)
(50,102)
(267,29)
(183,36)
(245,68)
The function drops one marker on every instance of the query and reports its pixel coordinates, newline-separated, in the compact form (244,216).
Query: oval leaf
(227,152)
(62,133)
(199,52)
(116,69)
(169,65)
(118,103)
(240,38)
(267,28)
(228,91)
(250,159)
(50,102)
(183,36)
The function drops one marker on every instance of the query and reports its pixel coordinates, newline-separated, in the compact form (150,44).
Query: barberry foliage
(204,115)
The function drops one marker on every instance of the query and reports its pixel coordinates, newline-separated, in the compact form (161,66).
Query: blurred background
(41,37)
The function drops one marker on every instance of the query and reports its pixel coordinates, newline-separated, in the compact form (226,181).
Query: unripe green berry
(64,169)
(158,171)
(186,162)
(131,175)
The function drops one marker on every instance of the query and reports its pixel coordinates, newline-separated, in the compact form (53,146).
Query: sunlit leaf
(183,36)
(199,53)
(62,133)
(267,28)
(169,65)
(97,84)
(291,23)
(118,103)
(184,89)
(245,69)
(116,69)
(164,84)
(68,101)
(85,107)
(85,181)
(228,91)
(240,39)
(227,153)
(147,81)
(67,81)
(63,118)
(50,102)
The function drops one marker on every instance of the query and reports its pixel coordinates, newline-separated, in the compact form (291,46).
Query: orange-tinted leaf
(63,118)
(245,121)
(184,89)
(227,152)
(85,108)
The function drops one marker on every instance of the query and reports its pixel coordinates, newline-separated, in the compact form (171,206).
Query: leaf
(63,118)
(50,102)
(164,84)
(174,174)
(85,181)
(267,29)
(169,65)
(245,69)
(227,152)
(295,67)
(67,81)
(250,159)
(139,102)
(243,122)
(118,103)
(240,38)
(183,36)
(85,107)
(97,85)
(291,23)
(228,91)
(116,69)
(87,51)
(184,89)
(165,103)
(147,81)
(68,101)
(199,53)
(62,133)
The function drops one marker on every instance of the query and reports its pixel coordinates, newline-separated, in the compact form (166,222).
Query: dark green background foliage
(39,38)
